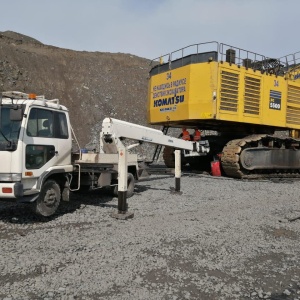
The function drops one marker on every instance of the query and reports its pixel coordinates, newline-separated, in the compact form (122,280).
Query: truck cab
(35,148)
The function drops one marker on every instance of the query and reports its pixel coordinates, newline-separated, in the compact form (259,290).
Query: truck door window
(40,123)
(48,124)
(38,155)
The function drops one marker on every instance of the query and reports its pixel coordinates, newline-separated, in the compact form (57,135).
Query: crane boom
(113,131)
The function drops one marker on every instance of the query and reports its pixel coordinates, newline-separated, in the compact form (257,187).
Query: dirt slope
(92,85)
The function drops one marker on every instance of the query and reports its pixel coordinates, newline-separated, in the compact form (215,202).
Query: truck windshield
(9,130)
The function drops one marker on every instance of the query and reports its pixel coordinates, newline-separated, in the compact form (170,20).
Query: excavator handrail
(228,53)
(255,57)
(170,55)
(291,61)
(252,60)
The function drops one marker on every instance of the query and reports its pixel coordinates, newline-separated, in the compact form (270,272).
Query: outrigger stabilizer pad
(122,212)
(122,215)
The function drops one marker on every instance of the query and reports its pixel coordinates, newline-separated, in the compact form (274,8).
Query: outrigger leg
(122,212)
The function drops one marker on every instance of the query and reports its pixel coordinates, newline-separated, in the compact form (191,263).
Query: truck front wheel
(48,200)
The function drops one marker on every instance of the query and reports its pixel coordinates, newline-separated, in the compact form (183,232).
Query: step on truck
(38,164)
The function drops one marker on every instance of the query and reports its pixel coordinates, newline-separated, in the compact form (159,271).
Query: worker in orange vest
(197,135)
(185,134)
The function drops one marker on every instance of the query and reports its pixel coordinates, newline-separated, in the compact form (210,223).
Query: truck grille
(229,91)
(293,106)
(252,95)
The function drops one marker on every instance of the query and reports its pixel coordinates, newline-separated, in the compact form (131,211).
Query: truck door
(63,138)
(46,142)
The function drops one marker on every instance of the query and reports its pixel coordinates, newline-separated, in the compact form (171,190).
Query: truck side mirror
(16,113)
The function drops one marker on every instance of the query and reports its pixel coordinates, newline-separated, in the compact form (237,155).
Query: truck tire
(48,200)
(169,157)
(130,186)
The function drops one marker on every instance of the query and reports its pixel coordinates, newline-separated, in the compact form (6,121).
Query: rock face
(93,85)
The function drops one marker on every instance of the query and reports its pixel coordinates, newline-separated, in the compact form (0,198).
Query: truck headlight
(10,177)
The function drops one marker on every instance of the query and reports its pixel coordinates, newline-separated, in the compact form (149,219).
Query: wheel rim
(50,198)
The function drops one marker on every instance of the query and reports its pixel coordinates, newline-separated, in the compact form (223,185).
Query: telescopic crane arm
(114,131)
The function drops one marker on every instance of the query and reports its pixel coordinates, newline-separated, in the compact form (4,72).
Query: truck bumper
(11,190)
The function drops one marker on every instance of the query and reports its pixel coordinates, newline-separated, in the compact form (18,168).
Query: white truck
(38,165)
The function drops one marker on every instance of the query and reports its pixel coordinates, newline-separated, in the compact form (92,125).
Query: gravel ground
(219,239)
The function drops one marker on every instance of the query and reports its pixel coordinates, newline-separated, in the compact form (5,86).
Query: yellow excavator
(250,101)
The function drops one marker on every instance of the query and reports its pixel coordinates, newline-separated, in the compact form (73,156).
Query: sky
(151,28)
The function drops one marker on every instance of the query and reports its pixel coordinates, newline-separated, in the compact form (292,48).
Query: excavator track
(262,156)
